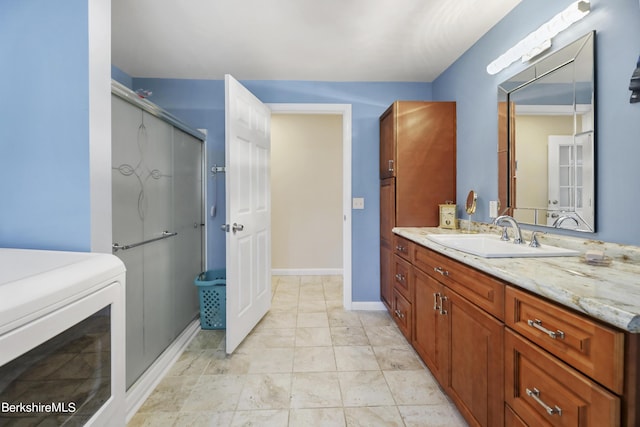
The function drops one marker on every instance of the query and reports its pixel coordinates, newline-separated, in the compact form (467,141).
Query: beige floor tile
(265,391)
(313,337)
(214,393)
(375,318)
(355,358)
(401,358)
(190,363)
(341,317)
(307,363)
(315,390)
(268,418)
(444,415)
(387,416)
(270,338)
(223,364)
(314,359)
(313,320)
(204,419)
(364,388)
(277,319)
(270,360)
(348,335)
(384,335)
(170,394)
(322,417)
(153,419)
(312,306)
(414,388)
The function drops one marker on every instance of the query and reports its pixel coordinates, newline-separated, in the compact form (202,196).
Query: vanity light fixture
(540,40)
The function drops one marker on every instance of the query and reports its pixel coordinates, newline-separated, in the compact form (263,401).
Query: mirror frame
(506,122)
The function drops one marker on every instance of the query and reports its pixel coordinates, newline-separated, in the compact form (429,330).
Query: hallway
(307,363)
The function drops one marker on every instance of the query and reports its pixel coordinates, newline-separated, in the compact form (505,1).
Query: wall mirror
(546,140)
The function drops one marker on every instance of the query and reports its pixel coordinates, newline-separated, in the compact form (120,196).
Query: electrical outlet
(358,203)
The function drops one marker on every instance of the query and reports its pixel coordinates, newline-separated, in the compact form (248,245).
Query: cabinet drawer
(542,390)
(402,314)
(481,289)
(402,247)
(402,278)
(592,348)
(511,419)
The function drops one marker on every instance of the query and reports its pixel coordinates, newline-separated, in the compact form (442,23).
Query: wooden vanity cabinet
(460,342)
(417,172)
(542,390)
(403,288)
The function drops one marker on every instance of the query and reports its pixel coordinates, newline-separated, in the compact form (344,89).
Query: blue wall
(44,136)
(617,25)
(201,103)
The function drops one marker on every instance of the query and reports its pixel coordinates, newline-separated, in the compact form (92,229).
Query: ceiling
(322,40)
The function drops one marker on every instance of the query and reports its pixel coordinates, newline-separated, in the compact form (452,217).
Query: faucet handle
(504,235)
(534,239)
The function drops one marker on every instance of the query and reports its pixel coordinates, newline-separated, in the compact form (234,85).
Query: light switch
(358,203)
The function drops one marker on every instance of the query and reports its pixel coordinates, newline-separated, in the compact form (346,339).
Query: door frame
(345,111)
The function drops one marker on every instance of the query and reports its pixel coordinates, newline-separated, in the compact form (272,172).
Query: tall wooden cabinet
(417,173)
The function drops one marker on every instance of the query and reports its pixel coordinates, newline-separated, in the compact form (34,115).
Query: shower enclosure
(158,226)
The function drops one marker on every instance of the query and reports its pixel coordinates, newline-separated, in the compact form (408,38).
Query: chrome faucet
(517,235)
(558,222)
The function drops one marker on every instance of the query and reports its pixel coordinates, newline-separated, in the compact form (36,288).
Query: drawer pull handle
(442,300)
(401,249)
(399,314)
(537,323)
(535,394)
(400,277)
(436,295)
(441,271)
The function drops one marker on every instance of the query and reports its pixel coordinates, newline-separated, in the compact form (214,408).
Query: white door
(248,211)
(565,179)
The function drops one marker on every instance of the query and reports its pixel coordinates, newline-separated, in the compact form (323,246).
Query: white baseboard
(144,386)
(306,271)
(368,305)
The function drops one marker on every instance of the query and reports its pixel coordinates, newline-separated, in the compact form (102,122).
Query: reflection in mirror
(472,199)
(546,140)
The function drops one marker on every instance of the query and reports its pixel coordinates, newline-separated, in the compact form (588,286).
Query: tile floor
(307,363)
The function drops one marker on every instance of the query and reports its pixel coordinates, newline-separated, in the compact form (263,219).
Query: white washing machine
(62,338)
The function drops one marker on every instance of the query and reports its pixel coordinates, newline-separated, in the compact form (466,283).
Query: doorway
(344,167)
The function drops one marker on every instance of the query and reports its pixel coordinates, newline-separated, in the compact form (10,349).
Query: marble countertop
(608,293)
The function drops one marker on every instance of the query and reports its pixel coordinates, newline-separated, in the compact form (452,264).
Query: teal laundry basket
(212,290)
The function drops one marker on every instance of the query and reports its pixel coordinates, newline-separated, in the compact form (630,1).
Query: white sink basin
(490,246)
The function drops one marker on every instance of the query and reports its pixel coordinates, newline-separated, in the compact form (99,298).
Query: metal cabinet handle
(399,314)
(436,295)
(390,165)
(537,324)
(441,271)
(443,298)
(400,277)
(535,394)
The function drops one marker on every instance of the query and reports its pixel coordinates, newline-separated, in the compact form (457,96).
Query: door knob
(237,227)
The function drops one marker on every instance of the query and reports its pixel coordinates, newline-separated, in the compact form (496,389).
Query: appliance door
(66,368)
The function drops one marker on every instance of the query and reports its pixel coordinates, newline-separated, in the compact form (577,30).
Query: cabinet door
(476,378)
(430,337)
(387,209)
(388,143)
(402,280)
(403,314)
(543,391)
(386,284)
